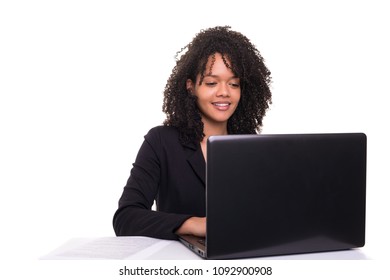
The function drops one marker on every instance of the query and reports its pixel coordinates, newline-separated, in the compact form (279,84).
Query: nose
(223,90)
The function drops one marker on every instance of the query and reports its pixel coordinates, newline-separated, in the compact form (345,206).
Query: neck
(209,130)
(214,129)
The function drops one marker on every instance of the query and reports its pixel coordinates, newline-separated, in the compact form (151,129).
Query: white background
(81,83)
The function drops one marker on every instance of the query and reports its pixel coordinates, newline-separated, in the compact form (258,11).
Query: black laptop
(283,194)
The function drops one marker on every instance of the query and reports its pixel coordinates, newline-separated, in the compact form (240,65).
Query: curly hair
(246,63)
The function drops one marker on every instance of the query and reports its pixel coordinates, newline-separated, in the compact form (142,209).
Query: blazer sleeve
(134,215)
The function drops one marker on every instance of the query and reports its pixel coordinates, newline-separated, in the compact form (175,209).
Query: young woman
(220,85)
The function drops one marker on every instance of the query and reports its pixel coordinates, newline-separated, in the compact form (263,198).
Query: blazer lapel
(197,162)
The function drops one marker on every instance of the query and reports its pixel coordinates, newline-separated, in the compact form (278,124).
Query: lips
(222,106)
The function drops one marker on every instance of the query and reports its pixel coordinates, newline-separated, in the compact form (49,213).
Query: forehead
(218,62)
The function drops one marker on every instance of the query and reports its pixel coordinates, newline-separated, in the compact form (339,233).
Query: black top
(170,173)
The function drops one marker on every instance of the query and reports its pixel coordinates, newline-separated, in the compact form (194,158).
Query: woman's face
(218,94)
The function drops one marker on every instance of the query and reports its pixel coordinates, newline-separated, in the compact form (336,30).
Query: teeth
(221,104)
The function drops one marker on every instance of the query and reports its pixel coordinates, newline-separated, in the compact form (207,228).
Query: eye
(210,84)
(235,85)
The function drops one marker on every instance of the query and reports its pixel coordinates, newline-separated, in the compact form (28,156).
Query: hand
(194,226)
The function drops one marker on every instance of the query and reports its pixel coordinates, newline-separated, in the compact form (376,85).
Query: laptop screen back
(284,194)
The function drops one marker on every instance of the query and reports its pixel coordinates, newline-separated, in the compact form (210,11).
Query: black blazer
(170,173)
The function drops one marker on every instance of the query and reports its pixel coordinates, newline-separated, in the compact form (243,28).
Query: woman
(220,85)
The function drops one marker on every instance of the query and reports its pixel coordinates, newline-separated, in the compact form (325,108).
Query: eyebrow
(217,76)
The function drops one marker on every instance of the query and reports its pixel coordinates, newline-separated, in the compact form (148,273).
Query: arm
(134,215)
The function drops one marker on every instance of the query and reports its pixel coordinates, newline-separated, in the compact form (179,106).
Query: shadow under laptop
(350,254)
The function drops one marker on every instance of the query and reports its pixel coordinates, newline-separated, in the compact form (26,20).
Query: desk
(145,248)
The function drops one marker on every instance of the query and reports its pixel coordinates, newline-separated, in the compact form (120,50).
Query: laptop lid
(285,194)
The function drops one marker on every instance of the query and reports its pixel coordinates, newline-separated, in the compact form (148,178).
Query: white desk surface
(144,248)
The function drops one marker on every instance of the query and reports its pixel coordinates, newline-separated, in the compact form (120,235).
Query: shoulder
(167,137)
(163,132)
(163,140)
(163,135)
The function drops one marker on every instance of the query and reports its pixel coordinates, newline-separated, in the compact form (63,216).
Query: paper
(109,248)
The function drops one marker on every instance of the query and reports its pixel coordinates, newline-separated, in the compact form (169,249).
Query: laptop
(281,194)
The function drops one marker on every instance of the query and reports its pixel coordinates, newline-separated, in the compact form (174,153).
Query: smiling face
(218,93)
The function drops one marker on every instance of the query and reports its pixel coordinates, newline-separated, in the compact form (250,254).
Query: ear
(190,86)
